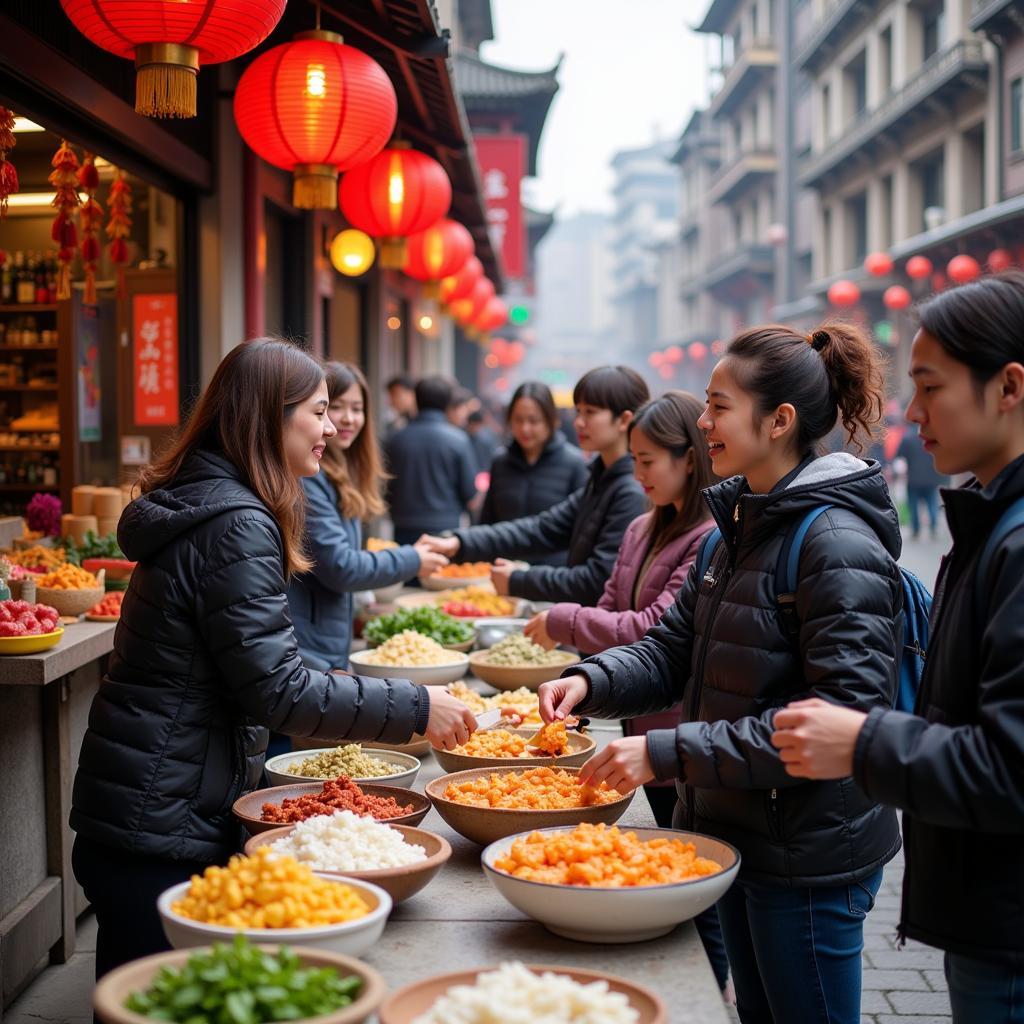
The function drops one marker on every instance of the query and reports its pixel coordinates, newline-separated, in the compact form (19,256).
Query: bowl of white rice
(521,992)
(400,859)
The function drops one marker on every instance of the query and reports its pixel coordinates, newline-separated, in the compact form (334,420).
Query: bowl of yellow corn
(274,899)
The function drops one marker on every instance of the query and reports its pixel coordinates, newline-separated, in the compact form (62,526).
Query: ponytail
(835,374)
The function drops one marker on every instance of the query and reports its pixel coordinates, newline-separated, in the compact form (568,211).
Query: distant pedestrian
(432,467)
(923,483)
(401,391)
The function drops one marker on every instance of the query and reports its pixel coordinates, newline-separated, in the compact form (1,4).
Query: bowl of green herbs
(447,630)
(240,983)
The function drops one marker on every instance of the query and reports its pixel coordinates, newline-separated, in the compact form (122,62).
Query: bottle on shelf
(41,289)
(7,282)
(26,282)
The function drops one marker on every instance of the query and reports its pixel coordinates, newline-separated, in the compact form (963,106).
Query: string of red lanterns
(437,253)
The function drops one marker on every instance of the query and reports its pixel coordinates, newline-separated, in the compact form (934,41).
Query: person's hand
(623,765)
(430,560)
(560,696)
(451,723)
(501,571)
(816,739)
(537,630)
(447,546)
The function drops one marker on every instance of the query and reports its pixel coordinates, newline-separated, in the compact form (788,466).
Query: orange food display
(465,571)
(110,606)
(539,789)
(68,577)
(603,857)
(551,739)
(502,743)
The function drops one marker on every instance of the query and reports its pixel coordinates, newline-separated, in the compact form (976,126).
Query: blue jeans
(795,953)
(982,992)
(929,496)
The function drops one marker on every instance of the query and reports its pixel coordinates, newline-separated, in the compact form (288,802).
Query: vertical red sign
(155,347)
(502,160)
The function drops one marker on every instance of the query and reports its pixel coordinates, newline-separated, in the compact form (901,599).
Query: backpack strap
(706,553)
(787,569)
(1012,519)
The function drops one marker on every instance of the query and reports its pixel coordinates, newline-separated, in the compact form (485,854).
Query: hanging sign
(502,160)
(155,363)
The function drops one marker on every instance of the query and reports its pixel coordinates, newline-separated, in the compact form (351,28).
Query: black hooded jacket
(204,660)
(725,654)
(956,767)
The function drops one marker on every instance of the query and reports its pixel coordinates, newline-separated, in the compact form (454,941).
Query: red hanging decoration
(315,107)
(169,40)
(64,179)
(878,264)
(674,354)
(468,309)
(896,297)
(90,215)
(493,316)
(8,175)
(119,227)
(666,370)
(656,359)
(698,351)
(397,193)
(438,252)
(918,268)
(718,348)
(459,285)
(1000,260)
(844,294)
(962,269)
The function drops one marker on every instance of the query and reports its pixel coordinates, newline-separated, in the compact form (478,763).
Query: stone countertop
(81,643)
(461,921)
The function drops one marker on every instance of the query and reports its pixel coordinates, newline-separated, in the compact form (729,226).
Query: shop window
(974,169)
(1017,115)
(933,30)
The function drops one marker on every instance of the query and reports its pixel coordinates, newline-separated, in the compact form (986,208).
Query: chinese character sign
(155,366)
(502,161)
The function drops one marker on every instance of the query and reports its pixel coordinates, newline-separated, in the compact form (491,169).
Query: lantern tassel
(165,80)
(315,187)
(392,253)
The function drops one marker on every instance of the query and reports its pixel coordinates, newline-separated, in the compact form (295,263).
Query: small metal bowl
(492,631)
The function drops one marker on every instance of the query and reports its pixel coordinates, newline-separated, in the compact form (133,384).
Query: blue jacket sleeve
(340,565)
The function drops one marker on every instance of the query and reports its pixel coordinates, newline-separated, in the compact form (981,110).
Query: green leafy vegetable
(432,622)
(243,984)
(93,547)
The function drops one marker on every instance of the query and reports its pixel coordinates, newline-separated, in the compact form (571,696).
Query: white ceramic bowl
(450,582)
(353,938)
(590,914)
(406,768)
(425,675)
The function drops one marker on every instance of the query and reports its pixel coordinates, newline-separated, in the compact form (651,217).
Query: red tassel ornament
(64,179)
(119,202)
(90,219)
(8,175)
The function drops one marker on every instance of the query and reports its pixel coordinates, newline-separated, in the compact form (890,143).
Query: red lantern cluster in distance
(844,294)
(396,194)
(698,351)
(878,264)
(507,353)
(315,106)
(169,40)
(674,354)
(493,316)
(896,297)
(439,251)
(999,260)
(962,269)
(919,267)
(468,309)
(460,285)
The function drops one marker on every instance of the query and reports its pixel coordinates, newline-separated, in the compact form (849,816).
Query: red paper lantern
(674,354)
(515,350)
(962,269)
(896,297)
(656,359)
(459,285)
(999,260)
(315,107)
(492,316)
(698,351)
(169,40)
(396,194)
(438,252)
(501,384)
(878,264)
(918,267)
(468,309)
(666,370)
(844,294)
(718,348)
(939,282)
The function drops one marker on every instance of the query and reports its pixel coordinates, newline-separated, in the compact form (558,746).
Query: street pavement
(900,985)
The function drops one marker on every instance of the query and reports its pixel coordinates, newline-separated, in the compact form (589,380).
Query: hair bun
(819,339)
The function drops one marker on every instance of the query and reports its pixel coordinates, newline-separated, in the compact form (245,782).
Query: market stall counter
(44,708)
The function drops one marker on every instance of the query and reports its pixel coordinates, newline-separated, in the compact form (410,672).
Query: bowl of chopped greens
(447,630)
(238,981)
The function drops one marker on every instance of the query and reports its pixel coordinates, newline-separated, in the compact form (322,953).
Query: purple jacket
(617,619)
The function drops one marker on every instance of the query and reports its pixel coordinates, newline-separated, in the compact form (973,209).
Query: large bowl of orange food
(463,574)
(499,748)
(596,883)
(485,804)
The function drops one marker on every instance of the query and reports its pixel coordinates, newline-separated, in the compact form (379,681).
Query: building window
(885,62)
(826,242)
(857,229)
(826,119)
(737,227)
(855,81)
(885,213)
(930,172)
(1017,115)
(933,28)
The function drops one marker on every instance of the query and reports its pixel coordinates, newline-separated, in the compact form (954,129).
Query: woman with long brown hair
(346,492)
(205,657)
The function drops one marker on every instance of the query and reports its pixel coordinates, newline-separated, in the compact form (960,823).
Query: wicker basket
(69,602)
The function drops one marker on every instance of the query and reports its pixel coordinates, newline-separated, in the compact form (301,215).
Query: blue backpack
(917,602)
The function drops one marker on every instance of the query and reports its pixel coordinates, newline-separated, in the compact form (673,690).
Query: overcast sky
(632,70)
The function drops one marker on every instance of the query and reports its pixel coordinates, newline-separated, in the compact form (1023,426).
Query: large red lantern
(315,107)
(698,351)
(878,264)
(1000,260)
(170,39)
(438,252)
(896,297)
(844,294)
(666,370)
(396,194)
(459,285)
(492,316)
(674,354)
(468,309)
(918,268)
(962,269)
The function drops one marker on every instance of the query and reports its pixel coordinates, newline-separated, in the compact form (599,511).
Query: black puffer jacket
(726,655)
(519,488)
(204,658)
(588,526)
(956,769)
